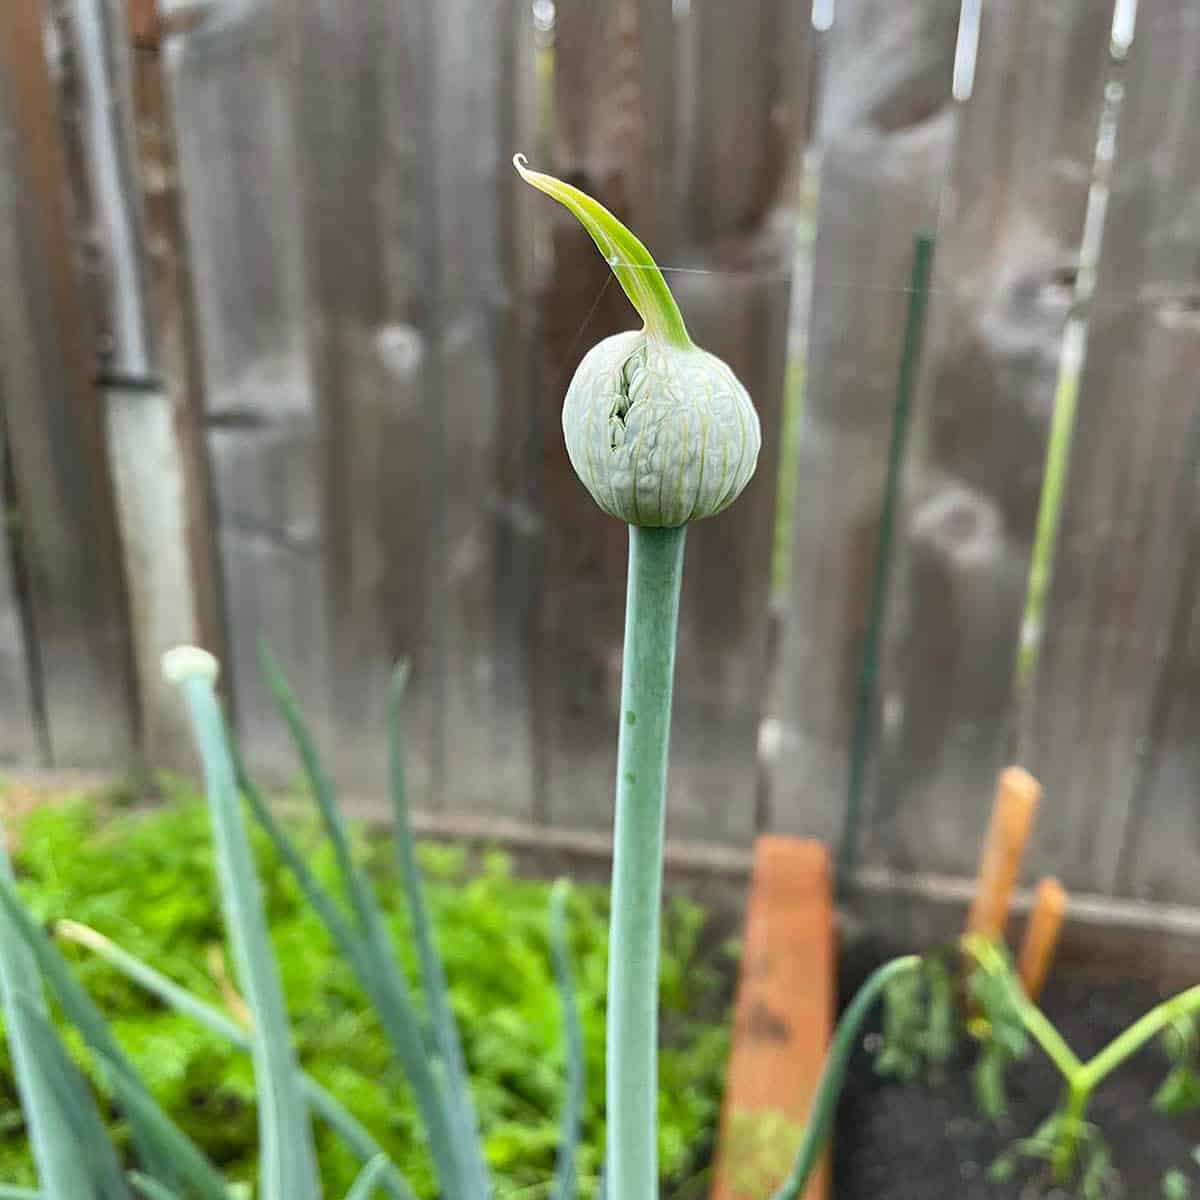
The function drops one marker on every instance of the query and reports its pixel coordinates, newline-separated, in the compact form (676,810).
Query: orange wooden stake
(1041,935)
(782,1022)
(1017,796)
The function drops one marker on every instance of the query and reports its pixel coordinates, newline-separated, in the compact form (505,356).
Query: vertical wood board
(21,737)
(227,84)
(54,425)
(1124,537)
(738,226)
(1006,252)
(882,175)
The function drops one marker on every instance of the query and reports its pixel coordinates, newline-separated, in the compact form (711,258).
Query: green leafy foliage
(1179,1092)
(146,879)
(919,1030)
(1095,1177)
(1176,1185)
(1002,1038)
(920,1022)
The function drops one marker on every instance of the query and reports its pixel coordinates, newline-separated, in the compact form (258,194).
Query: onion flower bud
(659,431)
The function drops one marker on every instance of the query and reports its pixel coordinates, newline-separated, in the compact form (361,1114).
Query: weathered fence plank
(20,732)
(616,138)
(1008,245)
(54,425)
(888,123)
(230,105)
(603,131)
(1123,533)
(358,446)
(404,269)
(1162,833)
(1160,839)
(472,99)
(745,129)
(359,123)
(517,342)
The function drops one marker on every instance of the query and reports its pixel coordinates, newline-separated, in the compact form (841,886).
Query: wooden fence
(283,345)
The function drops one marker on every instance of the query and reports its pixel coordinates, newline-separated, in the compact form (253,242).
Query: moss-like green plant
(75,1156)
(143,878)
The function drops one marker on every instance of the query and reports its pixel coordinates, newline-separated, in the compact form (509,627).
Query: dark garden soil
(928,1141)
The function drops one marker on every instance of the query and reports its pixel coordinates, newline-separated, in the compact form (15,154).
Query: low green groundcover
(145,879)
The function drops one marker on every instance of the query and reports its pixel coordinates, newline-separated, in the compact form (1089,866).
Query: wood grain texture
(358,423)
(613,67)
(516,331)
(745,136)
(1125,525)
(783,1020)
(1158,859)
(54,425)
(473,103)
(600,136)
(883,169)
(363,275)
(21,732)
(405,287)
(229,100)
(1008,243)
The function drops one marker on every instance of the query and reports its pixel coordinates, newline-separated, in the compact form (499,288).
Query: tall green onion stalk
(660,433)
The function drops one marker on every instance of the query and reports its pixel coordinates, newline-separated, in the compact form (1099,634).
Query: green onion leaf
(289,1165)
(628,258)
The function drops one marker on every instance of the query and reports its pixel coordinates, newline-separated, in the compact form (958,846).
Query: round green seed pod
(659,431)
(659,434)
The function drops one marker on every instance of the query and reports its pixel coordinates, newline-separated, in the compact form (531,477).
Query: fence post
(147,370)
(55,429)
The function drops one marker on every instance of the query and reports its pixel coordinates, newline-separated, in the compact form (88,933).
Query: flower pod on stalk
(659,431)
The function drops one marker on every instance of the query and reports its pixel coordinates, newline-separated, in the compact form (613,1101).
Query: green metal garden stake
(661,433)
(914,324)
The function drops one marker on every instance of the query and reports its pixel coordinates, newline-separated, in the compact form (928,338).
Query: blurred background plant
(923,1024)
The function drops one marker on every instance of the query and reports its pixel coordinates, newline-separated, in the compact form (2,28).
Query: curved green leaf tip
(630,261)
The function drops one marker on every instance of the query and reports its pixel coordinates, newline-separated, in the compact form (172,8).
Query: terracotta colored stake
(1017,796)
(783,1020)
(1041,935)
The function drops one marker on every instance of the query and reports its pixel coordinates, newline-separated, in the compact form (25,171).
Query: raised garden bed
(927,1140)
(921,1130)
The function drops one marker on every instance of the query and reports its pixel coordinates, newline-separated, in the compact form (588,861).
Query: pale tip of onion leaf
(183,663)
(629,260)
